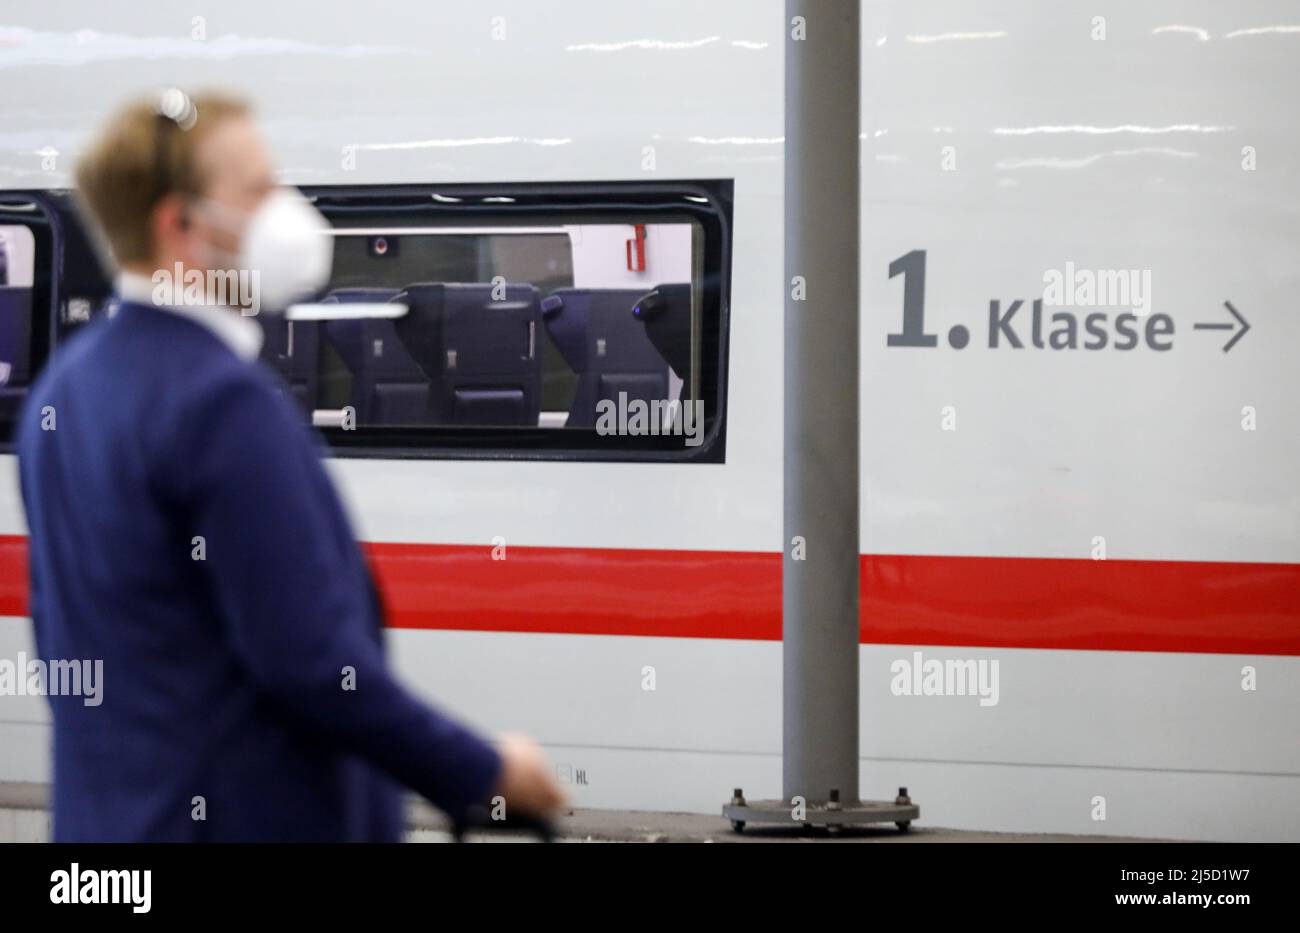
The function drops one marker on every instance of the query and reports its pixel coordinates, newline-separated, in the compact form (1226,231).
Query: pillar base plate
(859,813)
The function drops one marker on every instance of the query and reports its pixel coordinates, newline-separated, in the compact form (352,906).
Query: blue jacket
(184,532)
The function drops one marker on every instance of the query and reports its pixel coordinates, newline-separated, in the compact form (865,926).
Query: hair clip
(175,105)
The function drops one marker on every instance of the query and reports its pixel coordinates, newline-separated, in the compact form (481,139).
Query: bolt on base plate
(832,815)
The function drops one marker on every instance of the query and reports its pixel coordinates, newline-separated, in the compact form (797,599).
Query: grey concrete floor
(23,818)
(642,826)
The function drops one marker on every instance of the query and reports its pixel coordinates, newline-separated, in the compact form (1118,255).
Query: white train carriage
(1079,401)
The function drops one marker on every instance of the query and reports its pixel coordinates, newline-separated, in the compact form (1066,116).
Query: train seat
(478,352)
(15,347)
(603,343)
(15,335)
(291,348)
(388,386)
(666,314)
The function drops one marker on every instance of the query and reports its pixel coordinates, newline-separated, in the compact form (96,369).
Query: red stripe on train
(1007,602)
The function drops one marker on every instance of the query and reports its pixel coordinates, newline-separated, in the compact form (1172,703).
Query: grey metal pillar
(820,568)
(819,593)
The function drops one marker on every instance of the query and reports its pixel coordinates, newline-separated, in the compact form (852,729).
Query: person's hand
(527,779)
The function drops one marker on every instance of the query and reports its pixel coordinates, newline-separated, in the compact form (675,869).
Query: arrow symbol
(1240,320)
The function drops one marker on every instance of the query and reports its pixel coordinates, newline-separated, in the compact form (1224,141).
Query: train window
(26,261)
(582,321)
(542,321)
(52,280)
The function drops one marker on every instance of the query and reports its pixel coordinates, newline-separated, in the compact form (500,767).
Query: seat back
(292,349)
(15,335)
(606,346)
(388,387)
(666,314)
(478,351)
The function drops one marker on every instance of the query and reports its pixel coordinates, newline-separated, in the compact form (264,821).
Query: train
(1080,463)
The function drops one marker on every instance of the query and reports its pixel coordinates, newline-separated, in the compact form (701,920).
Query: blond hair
(148,150)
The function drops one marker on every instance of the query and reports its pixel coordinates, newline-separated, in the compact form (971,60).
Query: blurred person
(184,531)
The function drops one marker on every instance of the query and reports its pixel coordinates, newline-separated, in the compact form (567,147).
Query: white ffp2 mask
(285,244)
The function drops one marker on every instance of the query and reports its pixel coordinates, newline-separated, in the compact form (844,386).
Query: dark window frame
(75,271)
(66,266)
(551,204)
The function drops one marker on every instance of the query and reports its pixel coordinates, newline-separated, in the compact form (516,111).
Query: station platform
(24,818)
(644,826)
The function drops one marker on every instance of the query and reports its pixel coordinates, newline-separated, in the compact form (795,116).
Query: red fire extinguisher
(636,249)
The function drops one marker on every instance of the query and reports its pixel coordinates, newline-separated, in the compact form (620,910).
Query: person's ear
(171,225)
